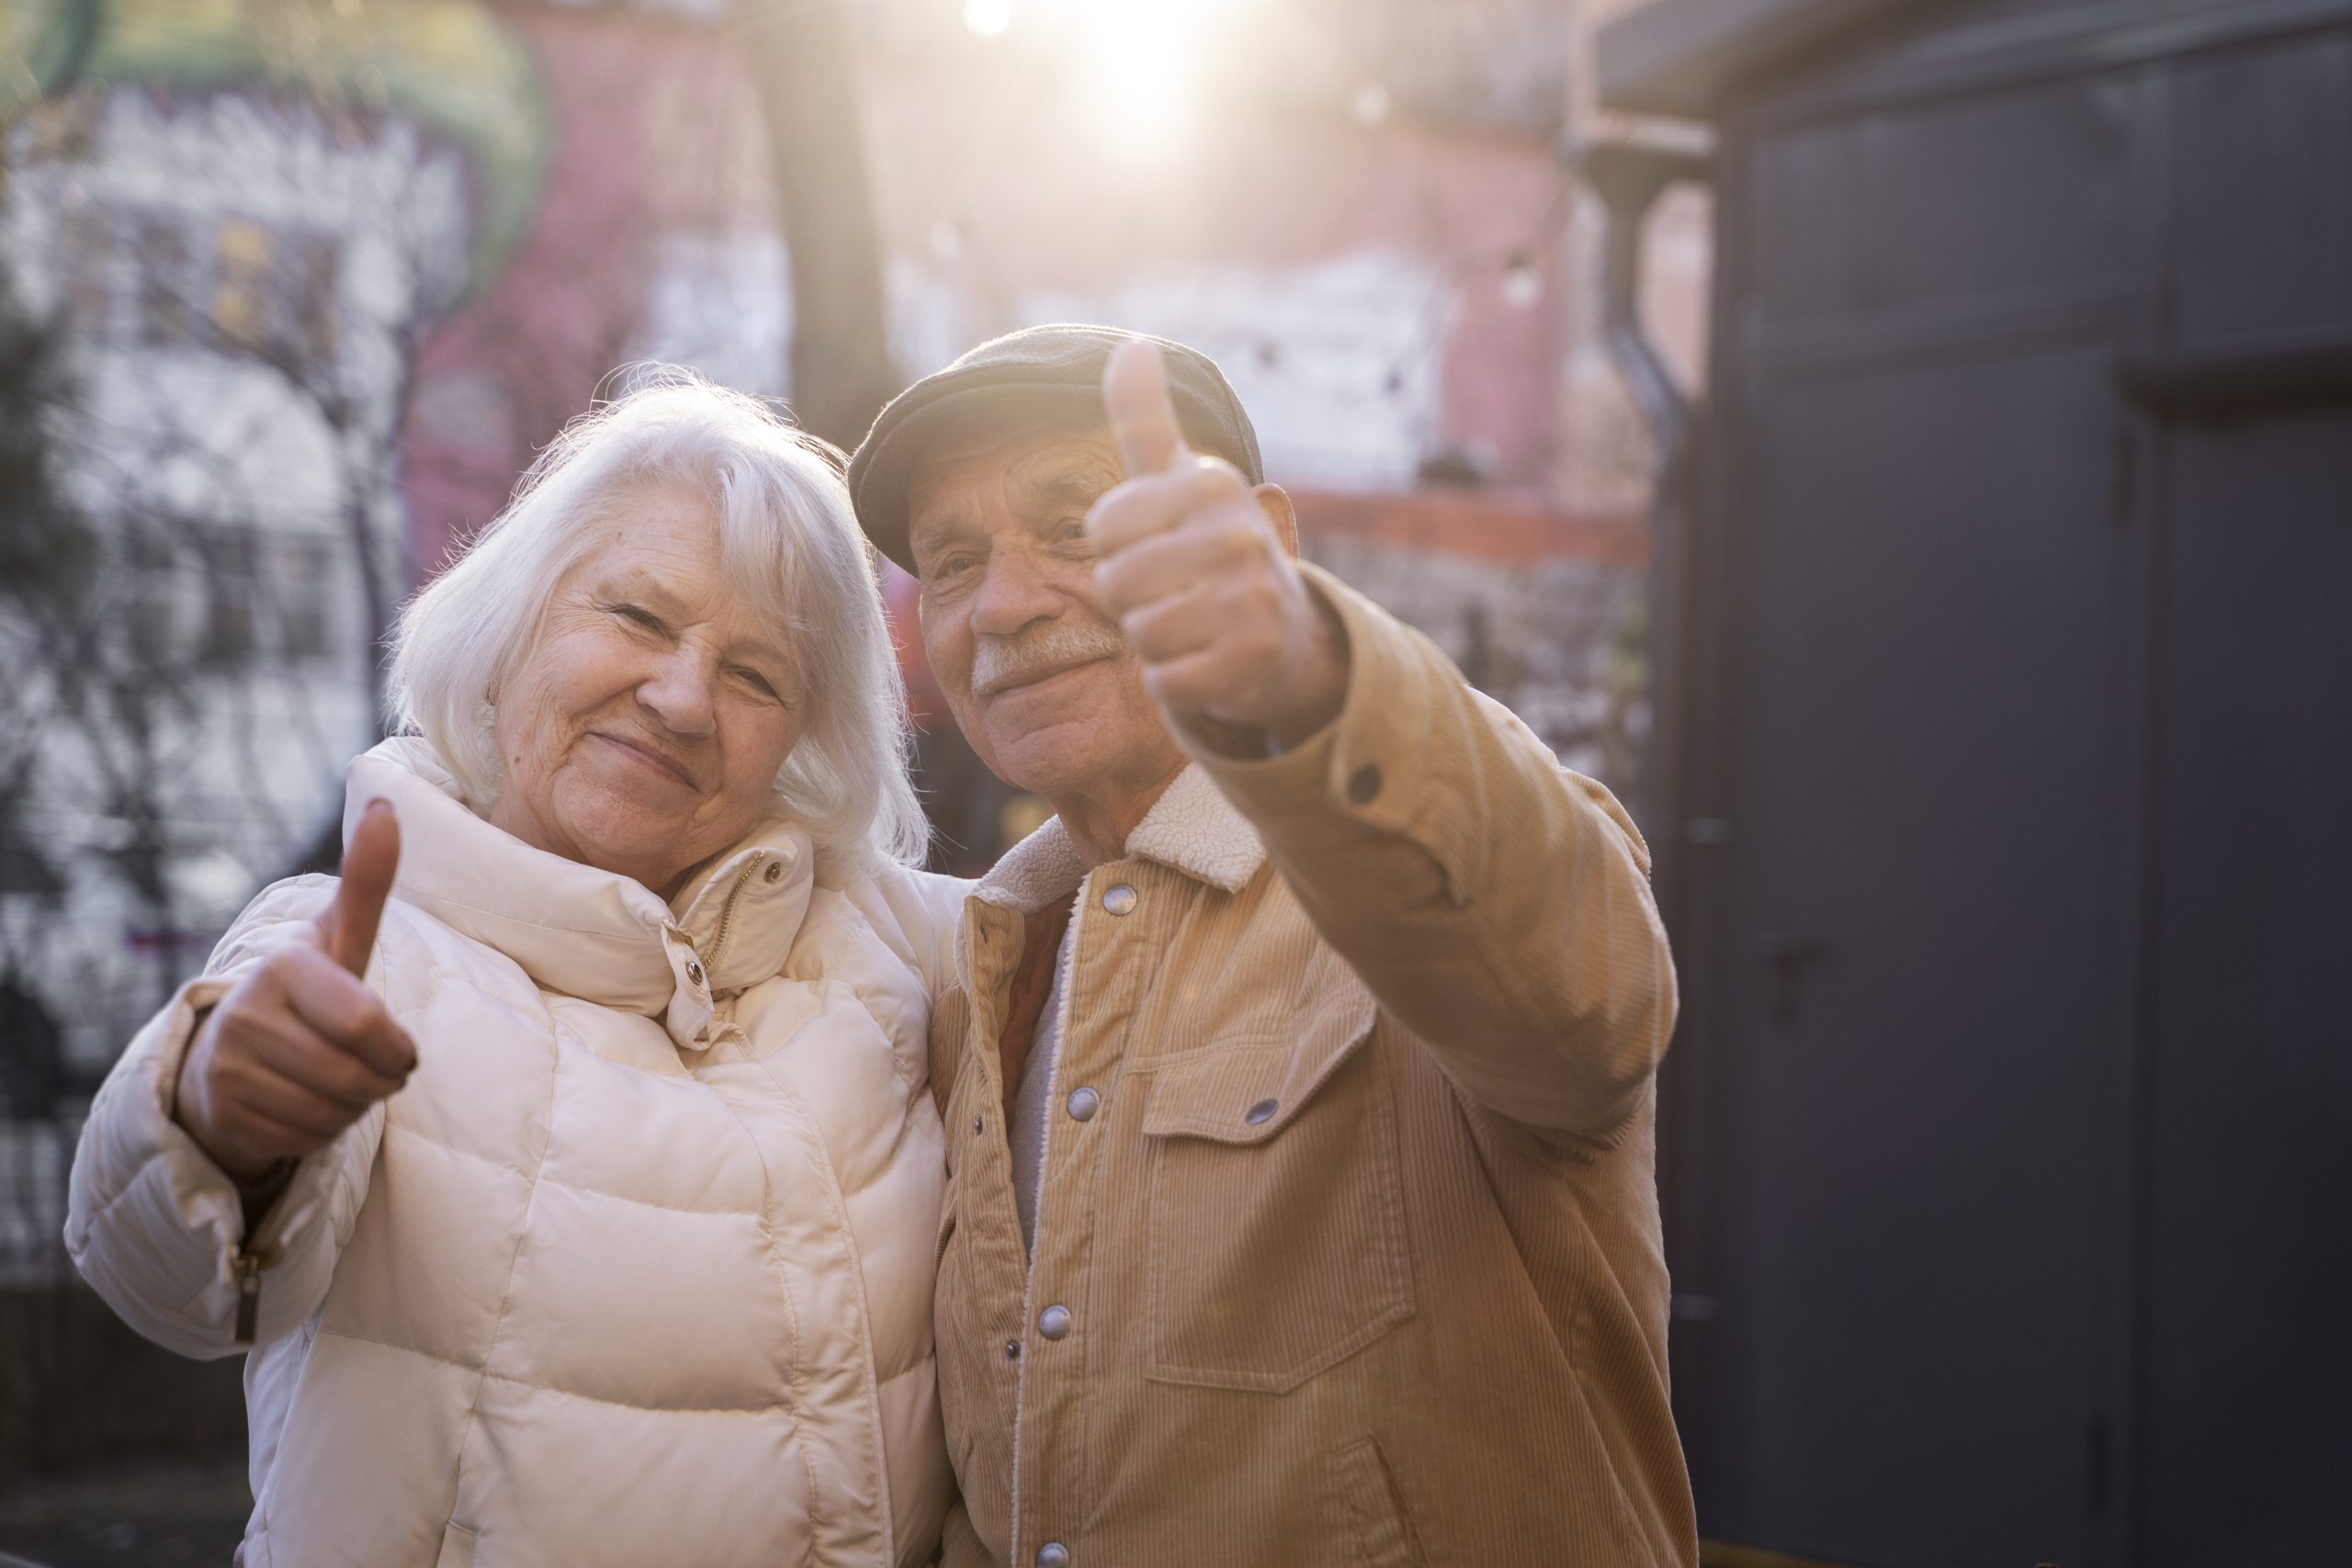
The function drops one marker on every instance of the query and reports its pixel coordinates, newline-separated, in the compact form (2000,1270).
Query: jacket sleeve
(1497,904)
(922,910)
(156,1227)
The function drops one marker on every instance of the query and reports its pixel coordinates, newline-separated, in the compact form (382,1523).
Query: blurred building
(2002,1142)
(332,275)
(240,274)
(323,277)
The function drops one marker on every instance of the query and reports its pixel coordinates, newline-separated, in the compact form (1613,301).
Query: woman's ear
(1274,502)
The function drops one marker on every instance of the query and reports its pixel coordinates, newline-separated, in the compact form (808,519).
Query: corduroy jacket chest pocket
(1276,1228)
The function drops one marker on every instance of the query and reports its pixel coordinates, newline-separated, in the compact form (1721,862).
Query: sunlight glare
(1142,59)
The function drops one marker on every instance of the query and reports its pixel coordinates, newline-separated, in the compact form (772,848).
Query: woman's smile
(645,757)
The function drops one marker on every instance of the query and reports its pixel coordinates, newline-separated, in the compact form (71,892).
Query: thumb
(1142,415)
(347,930)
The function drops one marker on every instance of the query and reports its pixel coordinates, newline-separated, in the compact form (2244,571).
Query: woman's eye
(636,616)
(757,681)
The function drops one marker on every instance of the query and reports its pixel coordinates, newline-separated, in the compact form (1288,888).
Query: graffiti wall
(326,276)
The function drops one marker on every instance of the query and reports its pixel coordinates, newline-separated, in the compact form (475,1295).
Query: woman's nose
(682,691)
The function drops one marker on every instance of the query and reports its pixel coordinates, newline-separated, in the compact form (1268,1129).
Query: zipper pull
(248,1268)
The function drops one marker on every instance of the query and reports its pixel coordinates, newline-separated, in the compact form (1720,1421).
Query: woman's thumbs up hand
(300,1048)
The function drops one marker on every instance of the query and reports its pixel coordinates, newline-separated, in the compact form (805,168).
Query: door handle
(1785,955)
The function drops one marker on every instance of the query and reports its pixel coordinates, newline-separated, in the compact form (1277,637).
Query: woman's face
(642,733)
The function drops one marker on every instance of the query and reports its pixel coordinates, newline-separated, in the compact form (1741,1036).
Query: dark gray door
(1925,945)
(2027,1068)
(2247,1438)
(2249,1406)
(1925,1078)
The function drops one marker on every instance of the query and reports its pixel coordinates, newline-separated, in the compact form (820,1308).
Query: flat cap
(1058,371)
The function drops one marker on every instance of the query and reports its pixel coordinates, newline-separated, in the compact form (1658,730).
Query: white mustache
(999,661)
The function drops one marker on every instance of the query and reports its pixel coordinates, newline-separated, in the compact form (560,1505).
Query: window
(166,281)
(242,255)
(231,585)
(302,588)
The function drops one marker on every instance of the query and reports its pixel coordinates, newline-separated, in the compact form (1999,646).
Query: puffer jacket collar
(584,932)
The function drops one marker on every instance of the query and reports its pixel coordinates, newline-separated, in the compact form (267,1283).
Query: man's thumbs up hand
(1205,592)
(300,1047)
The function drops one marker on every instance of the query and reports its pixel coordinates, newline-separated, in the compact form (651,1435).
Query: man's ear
(1274,502)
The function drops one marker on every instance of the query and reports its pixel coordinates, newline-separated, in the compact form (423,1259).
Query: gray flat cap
(1057,370)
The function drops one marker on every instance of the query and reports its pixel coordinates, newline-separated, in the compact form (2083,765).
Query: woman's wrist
(187,1112)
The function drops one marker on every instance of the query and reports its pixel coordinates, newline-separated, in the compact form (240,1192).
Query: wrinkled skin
(640,734)
(1087,586)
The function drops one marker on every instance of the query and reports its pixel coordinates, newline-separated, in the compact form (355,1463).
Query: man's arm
(1495,903)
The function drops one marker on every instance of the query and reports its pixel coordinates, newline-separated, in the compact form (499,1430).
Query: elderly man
(1299,1078)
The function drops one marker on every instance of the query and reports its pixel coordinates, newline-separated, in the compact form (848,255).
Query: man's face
(1029,657)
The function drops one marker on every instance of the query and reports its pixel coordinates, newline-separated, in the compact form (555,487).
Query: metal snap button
(774,872)
(1083,1103)
(1054,1322)
(1119,900)
(1262,1112)
(694,971)
(1013,1349)
(1053,1554)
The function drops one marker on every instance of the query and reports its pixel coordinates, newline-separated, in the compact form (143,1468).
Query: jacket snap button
(774,871)
(694,971)
(1119,900)
(1054,1322)
(1363,784)
(1083,1103)
(1053,1554)
(1013,1349)
(1262,1112)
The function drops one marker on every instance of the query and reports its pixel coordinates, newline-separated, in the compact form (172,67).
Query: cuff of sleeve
(140,1173)
(143,1190)
(1371,761)
(147,1126)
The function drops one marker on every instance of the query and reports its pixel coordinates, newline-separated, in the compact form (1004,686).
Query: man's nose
(682,691)
(1014,590)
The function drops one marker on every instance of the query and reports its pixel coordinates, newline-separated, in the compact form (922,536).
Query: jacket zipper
(246,1269)
(248,1297)
(258,1250)
(727,914)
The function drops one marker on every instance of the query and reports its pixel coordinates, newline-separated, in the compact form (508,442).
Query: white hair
(789,540)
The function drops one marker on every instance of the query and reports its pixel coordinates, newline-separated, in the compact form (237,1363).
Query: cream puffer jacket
(637,1269)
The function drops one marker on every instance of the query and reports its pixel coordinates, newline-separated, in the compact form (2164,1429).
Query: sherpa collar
(1191,828)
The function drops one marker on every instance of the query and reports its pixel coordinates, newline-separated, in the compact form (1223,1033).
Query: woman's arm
(921,909)
(155,1225)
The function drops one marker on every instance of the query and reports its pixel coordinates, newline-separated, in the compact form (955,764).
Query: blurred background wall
(292,290)
(1900,444)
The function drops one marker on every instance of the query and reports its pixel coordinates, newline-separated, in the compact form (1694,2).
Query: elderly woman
(584,1211)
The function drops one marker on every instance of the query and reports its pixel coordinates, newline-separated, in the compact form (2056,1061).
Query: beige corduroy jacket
(1347,1247)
